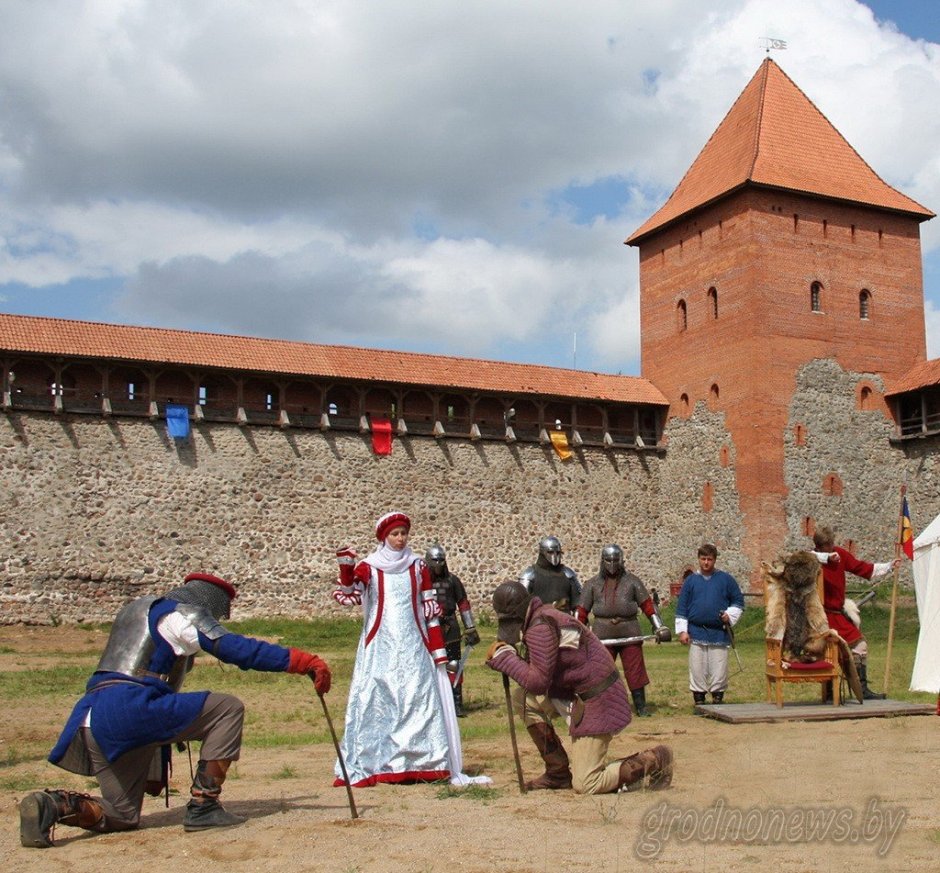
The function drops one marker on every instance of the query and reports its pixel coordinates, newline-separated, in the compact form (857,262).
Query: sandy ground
(820,796)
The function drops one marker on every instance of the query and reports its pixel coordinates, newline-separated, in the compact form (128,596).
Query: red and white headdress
(388,522)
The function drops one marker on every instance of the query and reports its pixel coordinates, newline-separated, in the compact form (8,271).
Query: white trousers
(708,667)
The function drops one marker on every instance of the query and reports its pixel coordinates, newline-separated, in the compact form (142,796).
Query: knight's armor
(130,648)
(550,580)
(452,598)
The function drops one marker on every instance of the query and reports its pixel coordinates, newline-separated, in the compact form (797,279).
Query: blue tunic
(702,600)
(129,712)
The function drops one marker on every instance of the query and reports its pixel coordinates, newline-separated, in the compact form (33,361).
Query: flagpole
(894,592)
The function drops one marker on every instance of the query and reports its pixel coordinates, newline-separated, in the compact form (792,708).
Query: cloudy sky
(426,175)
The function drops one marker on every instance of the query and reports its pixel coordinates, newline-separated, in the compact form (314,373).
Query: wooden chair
(826,672)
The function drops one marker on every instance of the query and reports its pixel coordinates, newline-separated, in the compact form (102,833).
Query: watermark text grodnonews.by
(875,823)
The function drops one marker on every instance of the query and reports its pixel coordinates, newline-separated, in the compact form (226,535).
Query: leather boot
(41,811)
(867,693)
(654,764)
(204,810)
(557,773)
(458,700)
(718,696)
(698,697)
(639,702)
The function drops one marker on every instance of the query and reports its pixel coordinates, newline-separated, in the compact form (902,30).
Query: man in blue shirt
(710,603)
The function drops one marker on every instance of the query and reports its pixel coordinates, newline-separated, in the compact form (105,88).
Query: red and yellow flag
(907,532)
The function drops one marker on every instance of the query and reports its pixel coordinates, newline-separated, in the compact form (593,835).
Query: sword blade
(463,663)
(629,641)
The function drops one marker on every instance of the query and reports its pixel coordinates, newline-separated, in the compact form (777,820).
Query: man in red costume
(836,563)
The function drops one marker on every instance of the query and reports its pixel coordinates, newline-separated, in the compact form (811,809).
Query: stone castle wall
(98,510)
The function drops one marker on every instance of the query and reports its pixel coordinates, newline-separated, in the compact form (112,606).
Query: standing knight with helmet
(550,580)
(616,597)
(452,598)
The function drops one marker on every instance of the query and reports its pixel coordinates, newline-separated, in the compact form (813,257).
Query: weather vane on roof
(770,43)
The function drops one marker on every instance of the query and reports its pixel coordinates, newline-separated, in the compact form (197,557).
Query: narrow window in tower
(853,233)
(713,395)
(880,235)
(825,227)
(708,497)
(713,301)
(682,316)
(684,404)
(815,297)
(832,485)
(809,526)
(864,304)
(864,398)
(796,222)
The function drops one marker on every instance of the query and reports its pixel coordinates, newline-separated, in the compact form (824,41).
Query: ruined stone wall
(842,438)
(98,510)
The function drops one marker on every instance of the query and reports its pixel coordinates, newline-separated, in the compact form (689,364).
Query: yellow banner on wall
(560,444)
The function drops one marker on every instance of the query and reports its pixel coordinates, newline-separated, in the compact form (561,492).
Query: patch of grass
(286,772)
(314,635)
(481,793)
(32,684)
(274,739)
(23,782)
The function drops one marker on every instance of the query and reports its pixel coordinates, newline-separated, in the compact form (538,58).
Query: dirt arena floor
(807,796)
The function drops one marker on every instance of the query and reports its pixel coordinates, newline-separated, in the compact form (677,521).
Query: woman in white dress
(401,725)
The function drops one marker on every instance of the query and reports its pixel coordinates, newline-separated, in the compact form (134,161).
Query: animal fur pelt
(794,613)
(797,618)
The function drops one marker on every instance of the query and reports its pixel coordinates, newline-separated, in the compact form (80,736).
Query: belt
(163,677)
(599,687)
(110,682)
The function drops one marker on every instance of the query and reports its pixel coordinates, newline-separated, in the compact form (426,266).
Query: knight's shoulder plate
(570,574)
(527,576)
(203,620)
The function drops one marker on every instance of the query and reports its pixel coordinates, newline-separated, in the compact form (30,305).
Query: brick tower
(779,246)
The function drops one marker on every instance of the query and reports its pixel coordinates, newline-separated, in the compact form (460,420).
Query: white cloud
(388,173)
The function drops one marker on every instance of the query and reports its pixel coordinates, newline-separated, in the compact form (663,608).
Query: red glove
(347,560)
(311,665)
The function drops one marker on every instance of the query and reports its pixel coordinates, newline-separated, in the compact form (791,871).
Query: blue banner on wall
(177,421)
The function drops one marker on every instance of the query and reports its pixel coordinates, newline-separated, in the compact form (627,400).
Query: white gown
(396,724)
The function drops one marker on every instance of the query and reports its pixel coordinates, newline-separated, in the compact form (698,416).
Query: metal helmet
(510,603)
(612,560)
(436,559)
(550,551)
(209,592)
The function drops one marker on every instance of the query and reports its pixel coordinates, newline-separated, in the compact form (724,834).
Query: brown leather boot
(654,764)
(557,773)
(204,810)
(41,811)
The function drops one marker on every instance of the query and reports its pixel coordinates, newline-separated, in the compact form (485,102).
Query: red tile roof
(923,375)
(147,345)
(775,136)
